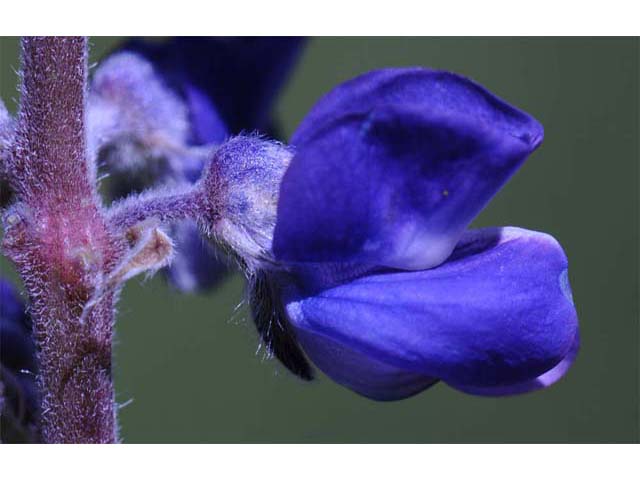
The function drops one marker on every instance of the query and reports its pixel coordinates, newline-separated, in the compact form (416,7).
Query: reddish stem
(58,238)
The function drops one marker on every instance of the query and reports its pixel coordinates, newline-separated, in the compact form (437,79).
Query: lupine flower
(156,111)
(355,238)
(18,395)
(233,79)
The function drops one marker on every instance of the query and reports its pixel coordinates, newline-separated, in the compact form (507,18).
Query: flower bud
(146,133)
(129,99)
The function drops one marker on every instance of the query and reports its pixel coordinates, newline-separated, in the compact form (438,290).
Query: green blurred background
(189,363)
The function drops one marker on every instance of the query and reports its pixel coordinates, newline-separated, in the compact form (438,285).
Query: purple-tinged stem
(51,158)
(58,238)
(162,206)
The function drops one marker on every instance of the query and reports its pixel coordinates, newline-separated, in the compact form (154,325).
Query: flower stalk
(57,236)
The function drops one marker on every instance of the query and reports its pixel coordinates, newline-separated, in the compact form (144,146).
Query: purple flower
(233,79)
(18,394)
(362,258)
(354,238)
(156,111)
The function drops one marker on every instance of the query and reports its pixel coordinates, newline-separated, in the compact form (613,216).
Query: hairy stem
(57,236)
(164,206)
(50,155)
